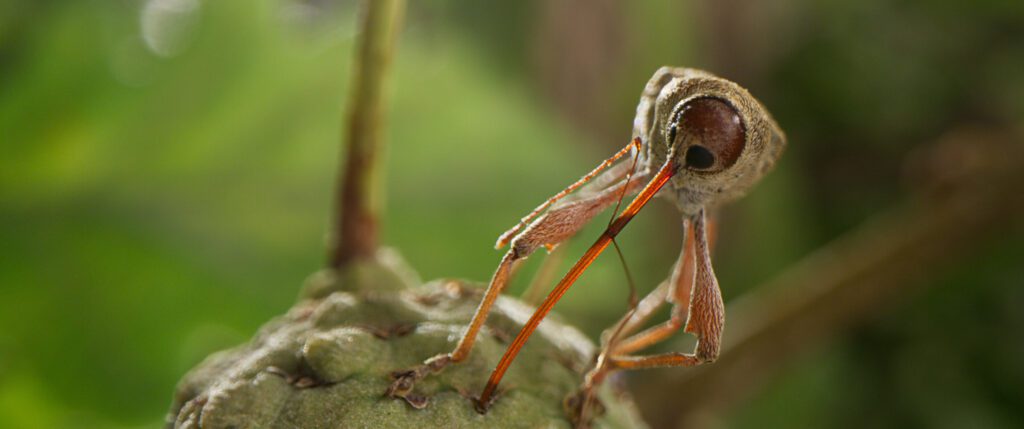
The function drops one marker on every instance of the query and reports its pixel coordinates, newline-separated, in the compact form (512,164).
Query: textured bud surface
(327,363)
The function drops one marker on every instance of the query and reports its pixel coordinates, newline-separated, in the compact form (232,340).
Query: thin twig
(359,202)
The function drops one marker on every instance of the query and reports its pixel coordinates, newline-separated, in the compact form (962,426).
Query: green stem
(359,203)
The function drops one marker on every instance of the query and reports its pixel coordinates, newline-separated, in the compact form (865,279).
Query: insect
(698,140)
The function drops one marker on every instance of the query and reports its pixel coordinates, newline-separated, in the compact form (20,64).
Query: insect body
(699,140)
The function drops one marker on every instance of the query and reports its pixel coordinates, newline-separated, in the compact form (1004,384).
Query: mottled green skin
(326,363)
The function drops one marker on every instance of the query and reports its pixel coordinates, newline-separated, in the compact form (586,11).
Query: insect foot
(406,380)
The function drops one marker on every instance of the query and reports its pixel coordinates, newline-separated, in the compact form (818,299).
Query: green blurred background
(166,175)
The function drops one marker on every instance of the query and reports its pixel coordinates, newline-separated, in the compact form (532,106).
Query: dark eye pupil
(699,157)
(712,132)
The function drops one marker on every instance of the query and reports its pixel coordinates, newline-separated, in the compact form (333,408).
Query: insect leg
(681,279)
(706,316)
(578,404)
(664,174)
(549,230)
(513,232)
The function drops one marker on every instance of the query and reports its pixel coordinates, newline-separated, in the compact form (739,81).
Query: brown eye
(712,132)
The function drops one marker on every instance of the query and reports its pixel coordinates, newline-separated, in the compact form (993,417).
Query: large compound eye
(712,133)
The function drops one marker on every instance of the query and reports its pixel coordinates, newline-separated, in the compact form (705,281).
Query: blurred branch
(359,202)
(973,193)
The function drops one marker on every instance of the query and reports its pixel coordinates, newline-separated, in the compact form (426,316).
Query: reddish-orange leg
(657,182)
(705,317)
(676,291)
(548,230)
(701,310)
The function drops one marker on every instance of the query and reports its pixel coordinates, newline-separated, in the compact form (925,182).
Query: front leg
(554,227)
(706,315)
(705,318)
(707,310)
